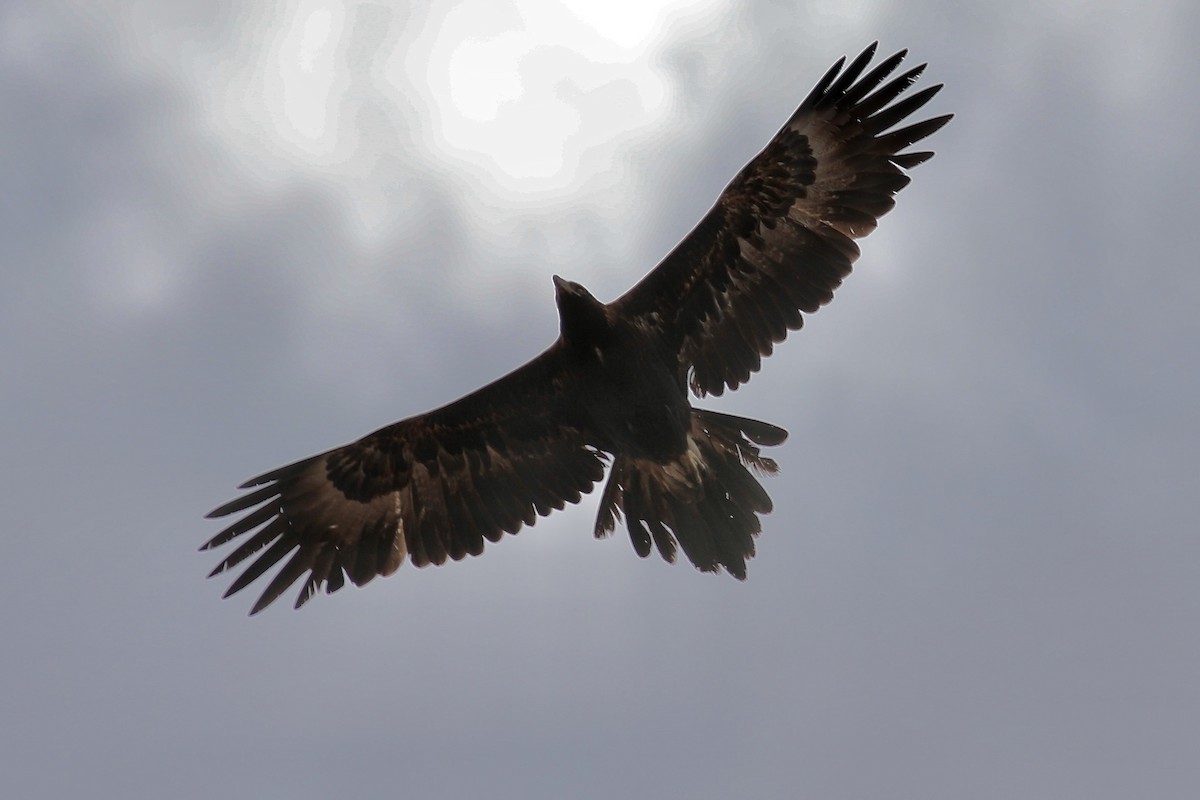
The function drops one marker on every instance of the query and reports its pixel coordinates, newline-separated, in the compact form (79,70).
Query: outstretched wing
(428,488)
(781,237)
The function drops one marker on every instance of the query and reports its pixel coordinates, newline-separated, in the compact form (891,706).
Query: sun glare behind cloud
(522,91)
(515,93)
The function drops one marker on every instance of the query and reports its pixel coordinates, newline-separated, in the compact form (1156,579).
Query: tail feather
(706,502)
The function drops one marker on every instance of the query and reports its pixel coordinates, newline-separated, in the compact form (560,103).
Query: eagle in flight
(614,389)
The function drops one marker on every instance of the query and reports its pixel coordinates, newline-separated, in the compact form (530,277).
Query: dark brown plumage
(615,385)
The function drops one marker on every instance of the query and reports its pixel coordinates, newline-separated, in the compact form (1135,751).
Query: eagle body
(614,391)
(633,400)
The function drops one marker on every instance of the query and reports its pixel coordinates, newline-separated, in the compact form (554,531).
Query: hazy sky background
(231,239)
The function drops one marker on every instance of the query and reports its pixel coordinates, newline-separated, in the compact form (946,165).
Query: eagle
(614,391)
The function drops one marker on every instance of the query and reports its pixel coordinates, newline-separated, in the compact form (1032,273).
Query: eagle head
(582,319)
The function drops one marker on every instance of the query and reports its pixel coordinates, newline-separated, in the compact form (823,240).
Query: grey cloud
(980,579)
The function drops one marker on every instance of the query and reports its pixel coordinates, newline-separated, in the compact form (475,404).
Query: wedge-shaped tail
(707,502)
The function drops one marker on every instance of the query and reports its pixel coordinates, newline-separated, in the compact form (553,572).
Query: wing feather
(780,239)
(429,488)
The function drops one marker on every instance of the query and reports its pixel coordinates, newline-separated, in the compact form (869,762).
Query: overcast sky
(230,239)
